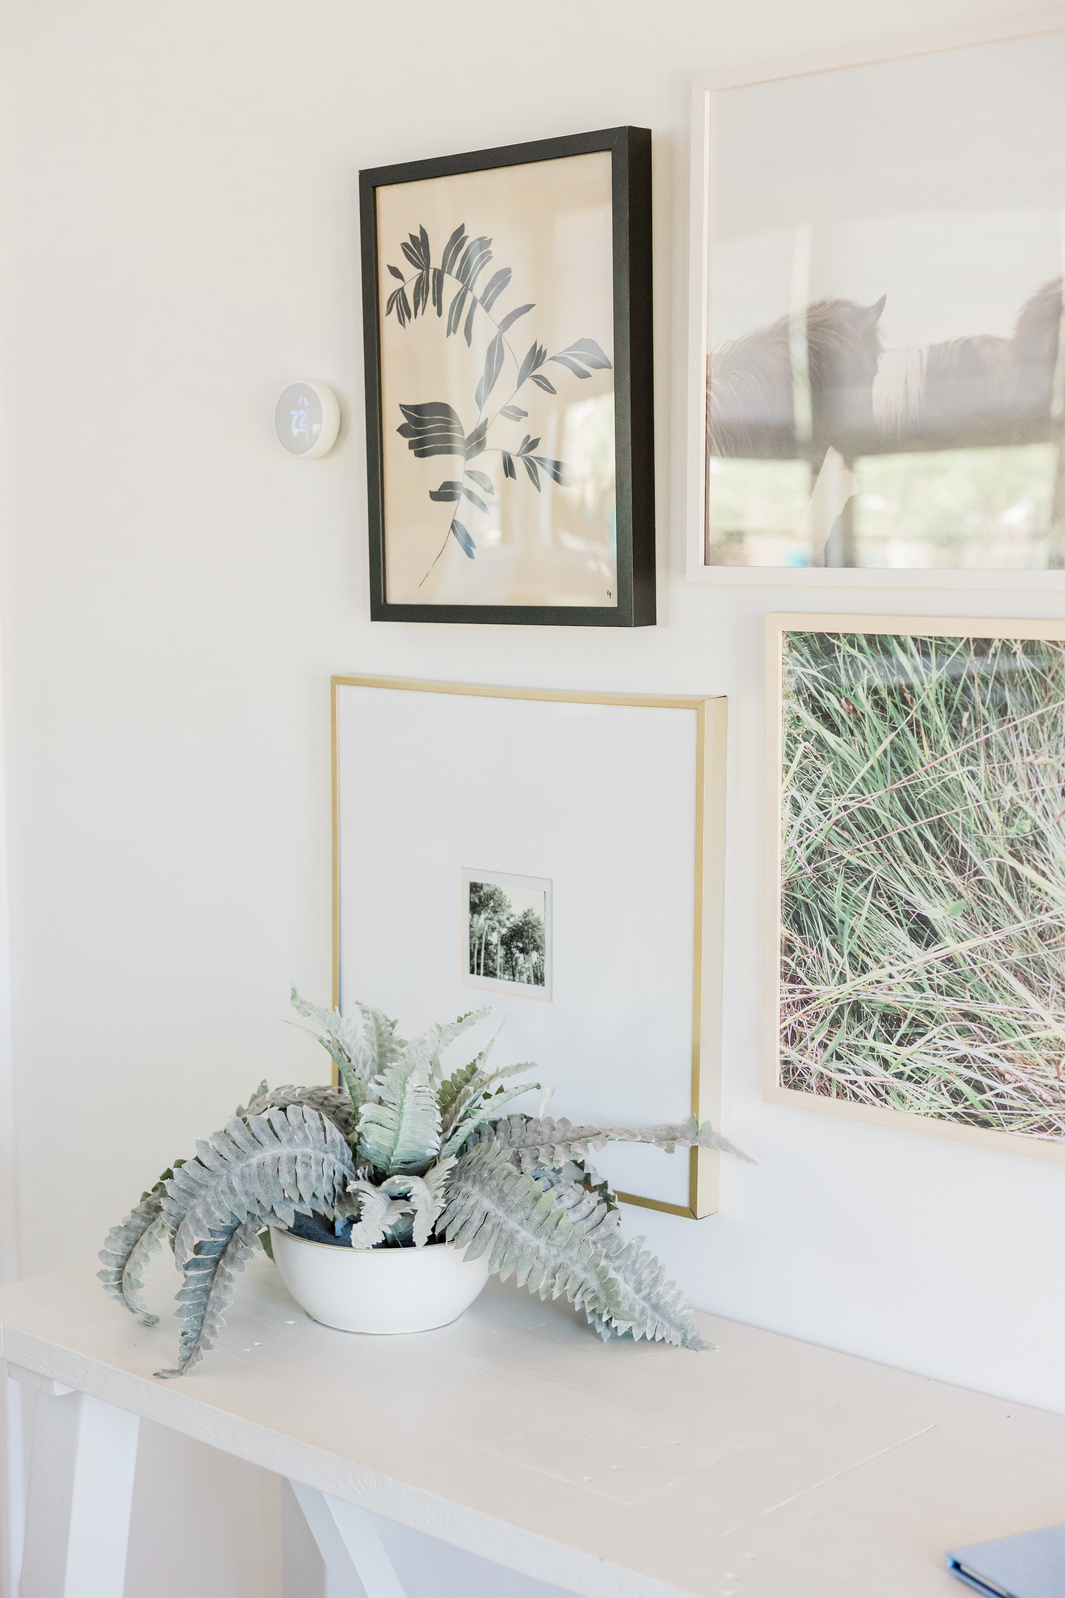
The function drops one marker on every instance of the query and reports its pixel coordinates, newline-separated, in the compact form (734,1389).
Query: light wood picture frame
(915,874)
(618,801)
(854,235)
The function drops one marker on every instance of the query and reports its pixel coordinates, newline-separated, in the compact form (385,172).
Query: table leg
(349,1544)
(80,1489)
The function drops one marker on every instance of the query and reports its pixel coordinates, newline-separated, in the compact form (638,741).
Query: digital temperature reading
(307,419)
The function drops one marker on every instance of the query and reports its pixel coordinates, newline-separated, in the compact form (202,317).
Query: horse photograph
(885,375)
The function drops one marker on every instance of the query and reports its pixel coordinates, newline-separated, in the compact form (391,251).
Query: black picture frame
(630,152)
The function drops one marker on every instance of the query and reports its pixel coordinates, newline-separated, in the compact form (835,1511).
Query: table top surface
(768,1469)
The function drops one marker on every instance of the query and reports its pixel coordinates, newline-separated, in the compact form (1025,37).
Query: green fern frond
(479,1111)
(454,1086)
(476,1081)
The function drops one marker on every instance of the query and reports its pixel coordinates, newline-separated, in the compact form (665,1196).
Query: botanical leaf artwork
(923,881)
(402,1156)
(491,442)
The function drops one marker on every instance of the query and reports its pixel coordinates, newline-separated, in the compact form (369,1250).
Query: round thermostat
(307,420)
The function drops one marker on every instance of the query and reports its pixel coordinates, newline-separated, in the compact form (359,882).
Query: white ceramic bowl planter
(378,1289)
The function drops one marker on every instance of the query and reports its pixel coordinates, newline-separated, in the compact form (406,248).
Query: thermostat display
(307,419)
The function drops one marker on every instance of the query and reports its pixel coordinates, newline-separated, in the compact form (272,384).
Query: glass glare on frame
(886,373)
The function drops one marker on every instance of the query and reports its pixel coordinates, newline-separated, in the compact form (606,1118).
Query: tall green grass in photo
(923,876)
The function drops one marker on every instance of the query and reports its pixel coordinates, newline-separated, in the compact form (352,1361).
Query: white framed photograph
(877,373)
(467,818)
(506,933)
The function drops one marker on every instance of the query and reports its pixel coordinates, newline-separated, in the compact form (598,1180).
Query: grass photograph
(922,909)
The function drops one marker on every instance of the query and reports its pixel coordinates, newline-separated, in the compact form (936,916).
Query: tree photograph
(507,932)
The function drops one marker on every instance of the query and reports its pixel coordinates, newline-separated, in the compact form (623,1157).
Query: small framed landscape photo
(506,933)
(509,378)
(916,868)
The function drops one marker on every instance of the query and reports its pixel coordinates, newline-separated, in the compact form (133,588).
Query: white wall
(179,239)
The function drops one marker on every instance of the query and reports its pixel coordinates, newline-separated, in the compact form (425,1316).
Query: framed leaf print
(509,414)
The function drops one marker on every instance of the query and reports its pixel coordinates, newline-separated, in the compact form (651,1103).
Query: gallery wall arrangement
(875,376)
(564,852)
(916,874)
(877,384)
(509,379)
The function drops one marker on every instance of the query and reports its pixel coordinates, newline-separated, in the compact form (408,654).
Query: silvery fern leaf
(453,1088)
(546,1142)
(210,1282)
(480,1109)
(492,1207)
(129,1247)
(428,1212)
(399,1130)
(378,1213)
(260,1092)
(651,1305)
(442,1035)
(334,1103)
(554,1240)
(266,1166)
(345,1041)
(468,1085)
(380,1041)
(262,1168)
(591,1203)
(424,1197)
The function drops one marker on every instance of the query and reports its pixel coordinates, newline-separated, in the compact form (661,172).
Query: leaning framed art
(509,378)
(877,373)
(915,949)
(556,857)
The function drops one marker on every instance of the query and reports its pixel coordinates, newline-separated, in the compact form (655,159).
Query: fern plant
(400,1155)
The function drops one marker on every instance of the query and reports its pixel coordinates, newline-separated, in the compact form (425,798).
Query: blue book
(1029,1566)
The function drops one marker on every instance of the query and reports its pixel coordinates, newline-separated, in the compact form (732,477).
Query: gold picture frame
(707,909)
(858,626)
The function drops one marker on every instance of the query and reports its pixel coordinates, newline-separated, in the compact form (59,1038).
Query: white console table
(771,1469)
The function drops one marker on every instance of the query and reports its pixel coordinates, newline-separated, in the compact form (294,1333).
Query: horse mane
(751,376)
(831,326)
